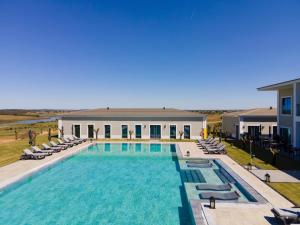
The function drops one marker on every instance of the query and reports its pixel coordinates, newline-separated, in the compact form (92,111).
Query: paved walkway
(278,175)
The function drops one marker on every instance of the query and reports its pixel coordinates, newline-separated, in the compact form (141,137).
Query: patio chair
(27,154)
(214,187)
(287,215)
(220,195)
(36,149)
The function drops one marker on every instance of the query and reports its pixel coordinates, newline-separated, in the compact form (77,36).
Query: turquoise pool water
(104,184)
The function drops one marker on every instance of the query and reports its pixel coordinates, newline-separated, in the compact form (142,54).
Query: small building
(253,122)
(288,114)
(163,123)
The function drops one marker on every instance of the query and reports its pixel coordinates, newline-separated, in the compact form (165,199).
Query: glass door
(107,131)
(138,131)
(90,131)
(77,130)
(155,131)
(187,131)
(172,131)
(124,131)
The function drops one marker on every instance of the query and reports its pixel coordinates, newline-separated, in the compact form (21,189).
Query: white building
(138,123)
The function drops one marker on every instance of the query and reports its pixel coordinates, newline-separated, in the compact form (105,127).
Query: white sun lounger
(287,215)
(63,146)
(47,147)
(38,150)
(27,154)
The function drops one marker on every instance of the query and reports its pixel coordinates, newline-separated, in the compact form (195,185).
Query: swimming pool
(103,184)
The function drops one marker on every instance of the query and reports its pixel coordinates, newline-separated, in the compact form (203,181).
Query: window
(107,131)
(187,131)
(285,134)
(138,131)
(286,105)
(124,131)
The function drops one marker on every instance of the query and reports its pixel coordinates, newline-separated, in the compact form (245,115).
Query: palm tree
(130,134)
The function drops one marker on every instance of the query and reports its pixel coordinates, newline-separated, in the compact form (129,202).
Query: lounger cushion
(214,187)
(207,165)
(220,196)
(200,161)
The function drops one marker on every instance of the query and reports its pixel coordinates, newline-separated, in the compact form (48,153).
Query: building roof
(133,112)
(253,112)
(281,85)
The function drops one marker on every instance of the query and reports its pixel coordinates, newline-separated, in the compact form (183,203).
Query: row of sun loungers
(211,146)
(48,149)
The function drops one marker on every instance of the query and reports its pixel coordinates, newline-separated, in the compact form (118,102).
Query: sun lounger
(220,195)
(65,143)
(47,147)
(82,139)
(287,215)
(30,155)
(79,141)
(66,140)
(207,165)
(215,150)
(38,150)
(214,187)
(62,146)
(200,161)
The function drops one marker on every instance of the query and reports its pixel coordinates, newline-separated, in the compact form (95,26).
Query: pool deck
(22,168)
(224,214)
(237,213)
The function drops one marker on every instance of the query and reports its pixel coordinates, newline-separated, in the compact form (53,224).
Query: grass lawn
(242,157)
(290,190)
(262,159)
(11,152)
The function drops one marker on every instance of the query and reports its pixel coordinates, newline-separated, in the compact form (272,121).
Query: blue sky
(183,54)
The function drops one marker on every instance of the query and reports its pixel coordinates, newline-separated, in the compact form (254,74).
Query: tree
(96,132)
(180,134)
(130,134)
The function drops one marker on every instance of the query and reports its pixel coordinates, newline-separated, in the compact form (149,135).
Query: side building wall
(229,125)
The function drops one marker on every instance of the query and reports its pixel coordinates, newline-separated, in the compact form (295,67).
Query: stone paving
(278,175)
(236,213)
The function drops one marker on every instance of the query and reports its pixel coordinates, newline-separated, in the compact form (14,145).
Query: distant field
(214,118)
(14,118)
